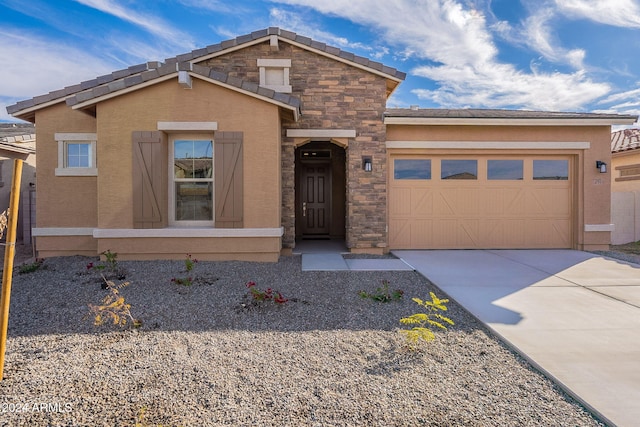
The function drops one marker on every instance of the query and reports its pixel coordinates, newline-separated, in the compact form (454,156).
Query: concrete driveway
(574,315)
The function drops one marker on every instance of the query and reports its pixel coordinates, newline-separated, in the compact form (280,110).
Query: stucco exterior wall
(334,96)
(592,196)
(167,101)
(625,202)
(63,201)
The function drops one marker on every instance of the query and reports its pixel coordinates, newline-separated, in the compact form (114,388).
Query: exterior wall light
(367,163)
(602,166)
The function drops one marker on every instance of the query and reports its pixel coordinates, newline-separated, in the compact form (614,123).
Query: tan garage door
(466,202)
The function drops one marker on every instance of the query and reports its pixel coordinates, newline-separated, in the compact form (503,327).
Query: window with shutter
(191,182)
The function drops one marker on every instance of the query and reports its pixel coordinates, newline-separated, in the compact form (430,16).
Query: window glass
(193,180)
(193,159)
(412,169)
(78,155)
(459,169)
(551,169)
(505,169)
(194,201)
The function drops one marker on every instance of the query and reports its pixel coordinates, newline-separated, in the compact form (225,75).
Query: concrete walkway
(336,262)
(574,315)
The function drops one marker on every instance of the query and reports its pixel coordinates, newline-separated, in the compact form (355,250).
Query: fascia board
(440,121)
(117,93)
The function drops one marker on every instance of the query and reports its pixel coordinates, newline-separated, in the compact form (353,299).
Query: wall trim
(321,133)
(599,227)
(62,231)
(489,145)
(124,233)
(188,126)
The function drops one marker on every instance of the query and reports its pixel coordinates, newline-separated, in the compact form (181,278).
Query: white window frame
(64,139)
(275,65)
(172,181)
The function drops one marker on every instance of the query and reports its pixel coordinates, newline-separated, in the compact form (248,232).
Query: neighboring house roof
(432,116)
(625,140)
(142,73)
(20,144)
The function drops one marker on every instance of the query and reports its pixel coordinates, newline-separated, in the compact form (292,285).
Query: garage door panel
(482,213)
(458,202)
(421,203)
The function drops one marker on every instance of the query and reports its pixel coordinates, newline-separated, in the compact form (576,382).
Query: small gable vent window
(76,154)
(274,74)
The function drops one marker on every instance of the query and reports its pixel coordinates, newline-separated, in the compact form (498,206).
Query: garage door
(467,202)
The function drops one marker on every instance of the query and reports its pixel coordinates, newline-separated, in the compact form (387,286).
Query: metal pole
(9,252)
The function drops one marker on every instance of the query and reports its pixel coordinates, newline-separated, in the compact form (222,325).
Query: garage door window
(551,169)
(459,169)
(505,170)
(412,169)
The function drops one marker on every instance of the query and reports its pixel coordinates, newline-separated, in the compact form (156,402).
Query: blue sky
(553,55)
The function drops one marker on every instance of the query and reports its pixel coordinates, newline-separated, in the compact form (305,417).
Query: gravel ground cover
(207,356)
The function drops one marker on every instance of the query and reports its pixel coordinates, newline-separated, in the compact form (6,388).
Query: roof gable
(87,99)
(274,34)
(141,74)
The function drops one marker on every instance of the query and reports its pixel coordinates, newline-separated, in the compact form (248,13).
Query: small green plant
(269,294)
(31,267)
(111,259)
(383,294)
(114,307)
(425,320)
(110,265)
(189,263)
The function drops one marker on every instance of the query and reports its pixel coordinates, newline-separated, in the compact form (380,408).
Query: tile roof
(19,143)
(143,72)
(173,68)
(470,113)
(625,140)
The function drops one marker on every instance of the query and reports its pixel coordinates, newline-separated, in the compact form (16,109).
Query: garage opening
(480,202)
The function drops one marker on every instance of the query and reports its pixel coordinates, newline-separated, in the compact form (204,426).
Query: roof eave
(504,121)
(29,114)
(294,110)
(93,101)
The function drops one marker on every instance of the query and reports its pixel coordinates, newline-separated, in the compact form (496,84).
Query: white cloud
(619,13)
(633,95)
(51,65)
(156,26)
(299,24)
(468,71)
(538,35)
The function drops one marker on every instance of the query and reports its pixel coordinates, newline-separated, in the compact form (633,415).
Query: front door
(315,198)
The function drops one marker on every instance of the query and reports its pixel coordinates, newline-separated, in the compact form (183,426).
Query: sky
(547,55)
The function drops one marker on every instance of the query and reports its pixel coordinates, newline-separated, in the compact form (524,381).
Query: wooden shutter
(228,180)
(150,166)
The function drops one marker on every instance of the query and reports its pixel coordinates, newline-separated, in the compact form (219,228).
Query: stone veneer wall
(333,95)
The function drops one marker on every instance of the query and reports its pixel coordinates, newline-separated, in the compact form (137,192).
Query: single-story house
(14,145)
(625,186)
(238,149)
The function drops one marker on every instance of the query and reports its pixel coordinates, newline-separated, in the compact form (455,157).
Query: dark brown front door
(316,206)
